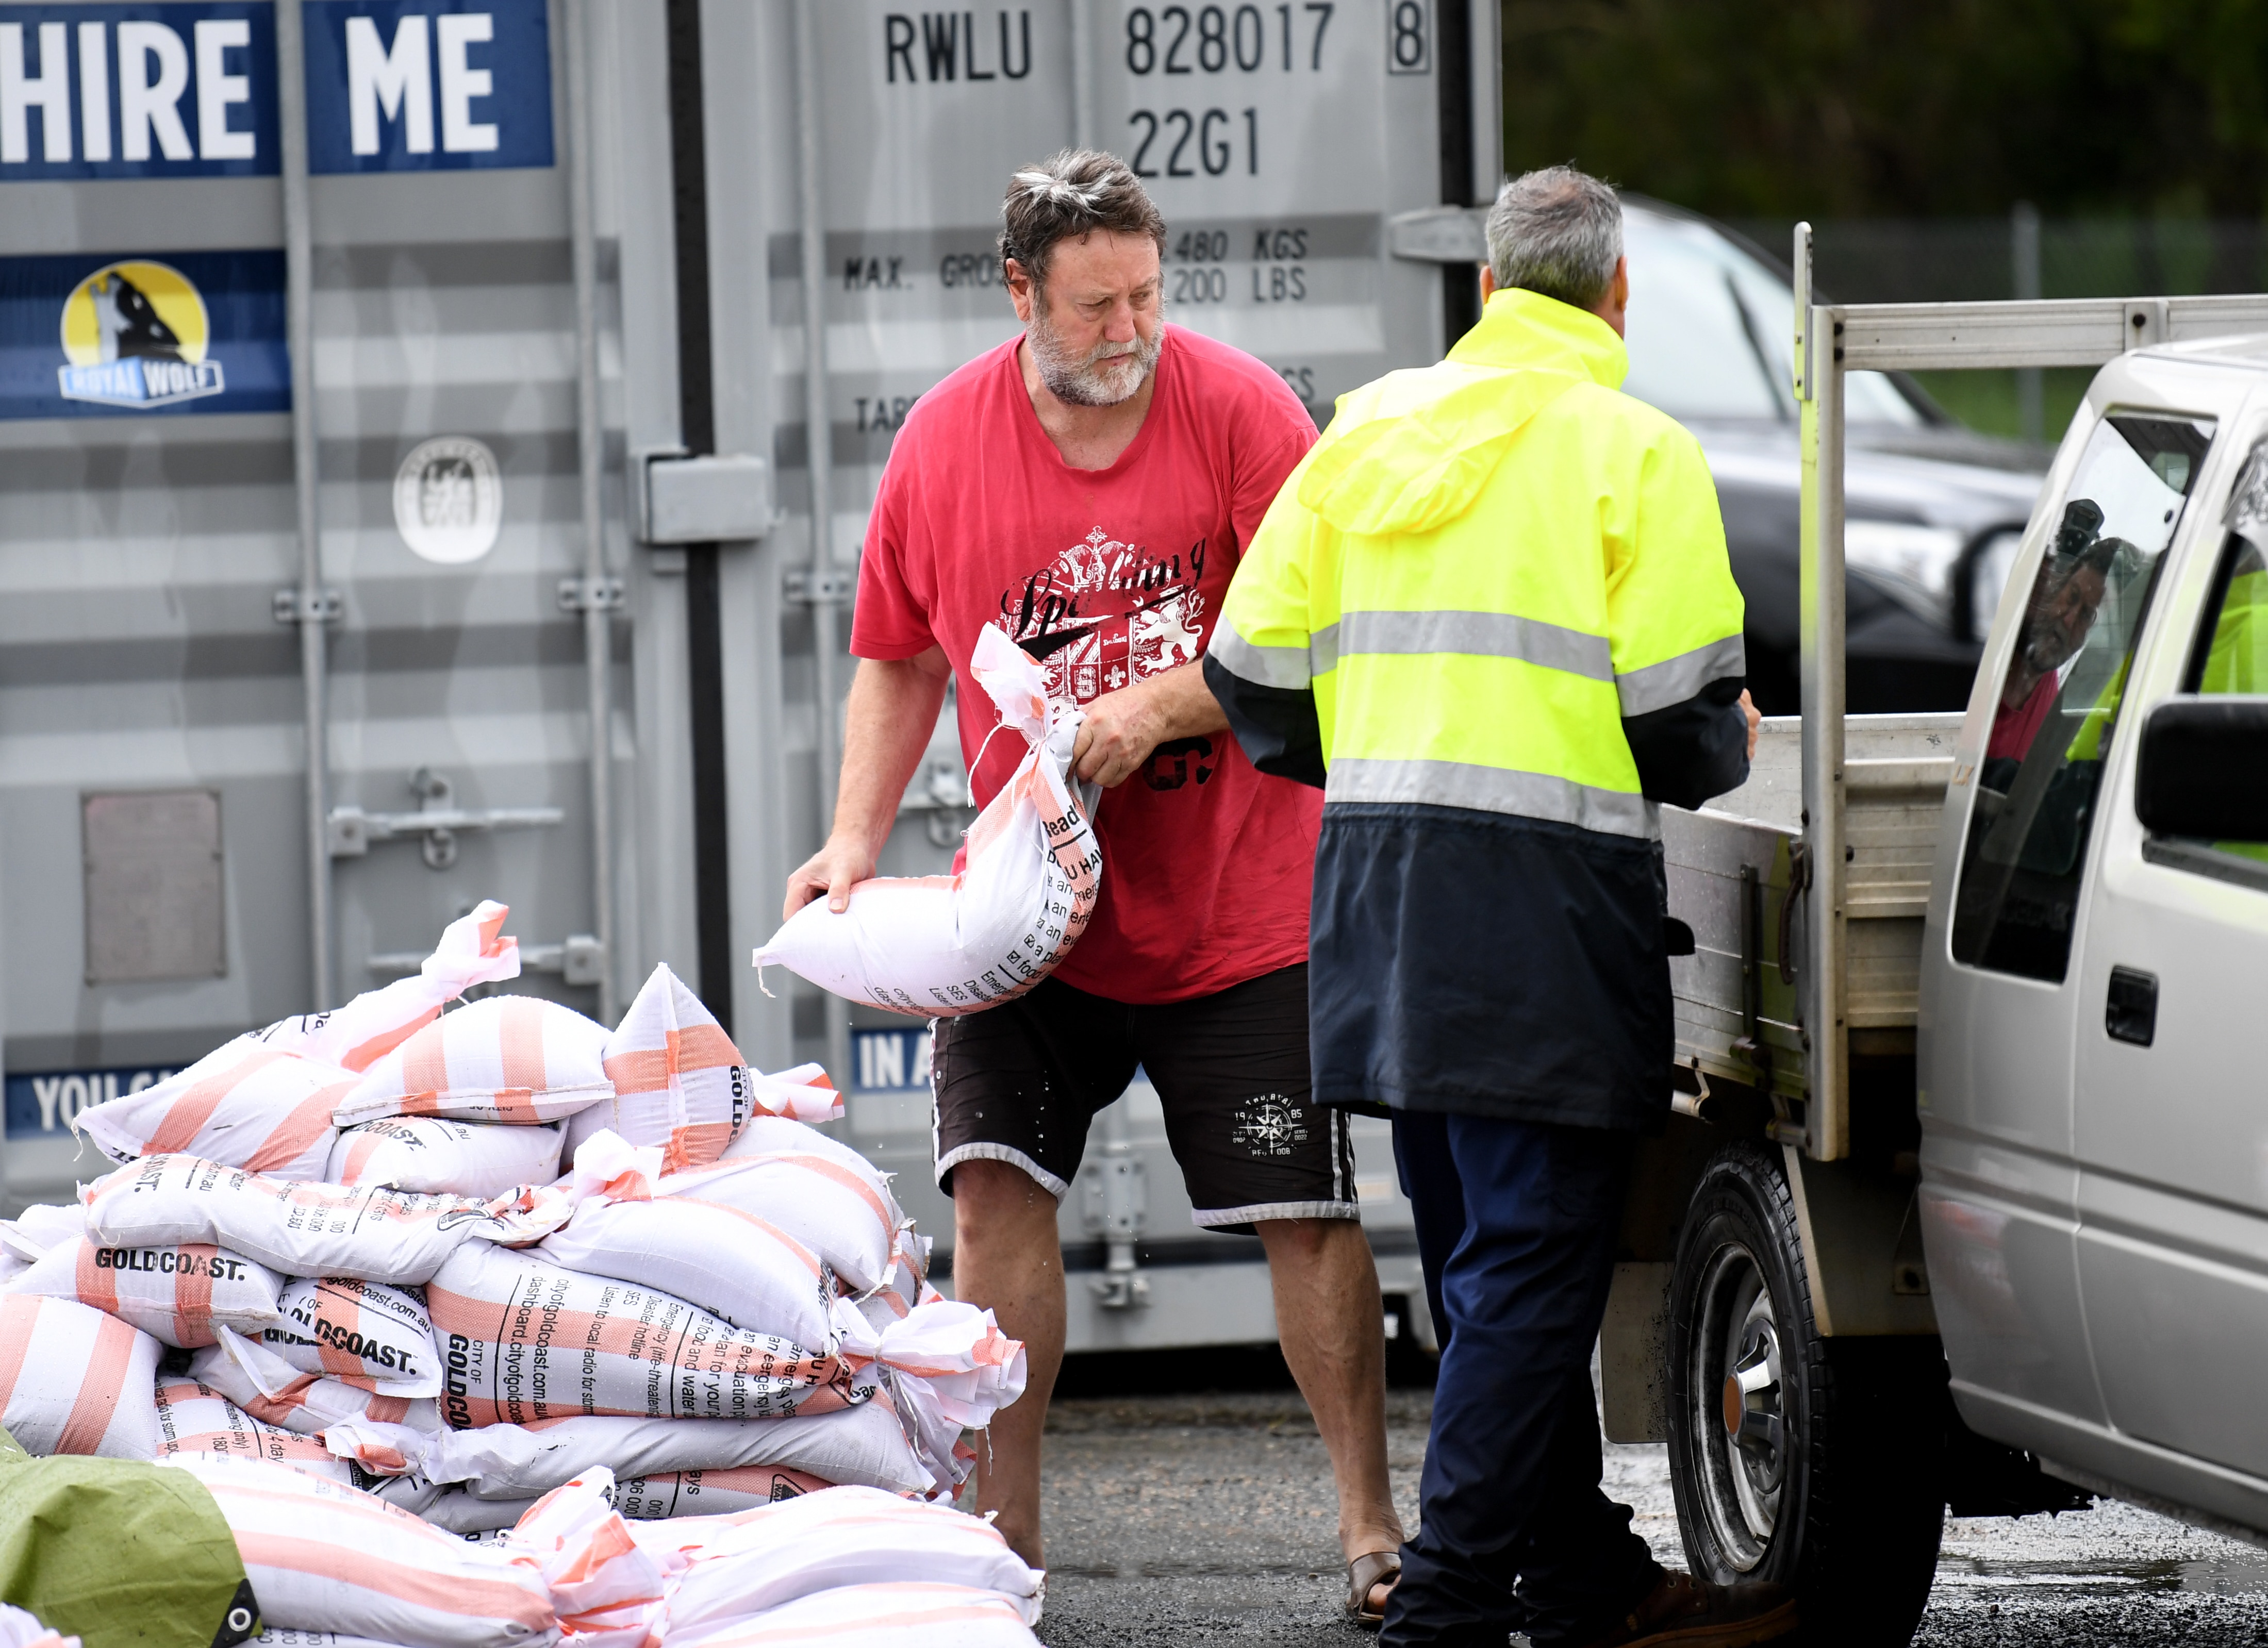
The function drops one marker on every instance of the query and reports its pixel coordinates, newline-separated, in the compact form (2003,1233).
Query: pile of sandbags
(406,1271)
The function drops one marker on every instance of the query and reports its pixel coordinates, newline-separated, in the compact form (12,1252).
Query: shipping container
(415,416)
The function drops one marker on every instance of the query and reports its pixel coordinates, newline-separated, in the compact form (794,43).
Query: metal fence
(1894,260)
(1904,260)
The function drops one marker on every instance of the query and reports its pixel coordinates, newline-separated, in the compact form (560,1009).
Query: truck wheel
(1813,1463)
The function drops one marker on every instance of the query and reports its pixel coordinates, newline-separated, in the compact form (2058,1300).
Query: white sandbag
(880,1616)
(74,1380)
(300,1228)
(509,1058)
(474,949)
(904,1282)
(523,1340)
(269,1389)
(741,1268)
(840,1210)
(325,1556)
(606,1590)
(42,1226)
(440,1157)
(864,1444)
(748,1565)
(194,1418)
(22,1630)
(244,1104)
(1023,887)
(454,1508)
(678,1080)
(358,1330)
(276,1637)
(710,1493)
(951,1369)
(175,1294)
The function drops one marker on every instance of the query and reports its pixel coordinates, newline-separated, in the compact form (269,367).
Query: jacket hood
(1411,452)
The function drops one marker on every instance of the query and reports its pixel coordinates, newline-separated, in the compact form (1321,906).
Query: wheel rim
(1738,1421)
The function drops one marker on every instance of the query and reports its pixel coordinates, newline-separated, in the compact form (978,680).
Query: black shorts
(1022,1082)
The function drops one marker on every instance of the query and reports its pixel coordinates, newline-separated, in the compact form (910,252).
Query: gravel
(1209,1519)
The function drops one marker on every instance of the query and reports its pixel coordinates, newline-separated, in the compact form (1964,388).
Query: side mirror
(2203,770)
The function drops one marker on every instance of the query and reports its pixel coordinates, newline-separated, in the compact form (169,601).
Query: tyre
(1813,1463)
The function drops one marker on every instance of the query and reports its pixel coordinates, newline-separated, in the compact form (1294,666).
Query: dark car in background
(1933,510)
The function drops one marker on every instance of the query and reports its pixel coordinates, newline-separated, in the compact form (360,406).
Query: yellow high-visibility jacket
(1491,614)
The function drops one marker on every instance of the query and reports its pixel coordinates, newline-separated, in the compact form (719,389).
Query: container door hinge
(603,594)
(295,605)
(804,585)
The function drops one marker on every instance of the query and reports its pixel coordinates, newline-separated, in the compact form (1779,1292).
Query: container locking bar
(581,960)
(438,820)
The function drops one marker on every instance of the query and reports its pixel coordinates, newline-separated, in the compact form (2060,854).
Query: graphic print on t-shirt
(1106,615)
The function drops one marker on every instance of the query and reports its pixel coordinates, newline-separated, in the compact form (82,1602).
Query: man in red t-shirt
(1087,489)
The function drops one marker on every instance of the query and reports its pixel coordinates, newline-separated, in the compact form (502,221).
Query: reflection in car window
(2232,655)
(1711,331)
(2058,702)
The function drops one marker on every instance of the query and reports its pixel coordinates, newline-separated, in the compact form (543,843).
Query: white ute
(1965,1200)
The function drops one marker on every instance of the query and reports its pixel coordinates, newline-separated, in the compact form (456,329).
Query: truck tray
(1731,867)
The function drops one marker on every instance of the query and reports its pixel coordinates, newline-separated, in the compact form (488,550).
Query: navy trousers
(1517,1222)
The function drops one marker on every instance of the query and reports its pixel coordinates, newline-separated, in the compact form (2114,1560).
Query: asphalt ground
(1208,1518)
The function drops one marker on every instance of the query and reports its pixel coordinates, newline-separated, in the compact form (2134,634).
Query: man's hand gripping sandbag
(1023,887)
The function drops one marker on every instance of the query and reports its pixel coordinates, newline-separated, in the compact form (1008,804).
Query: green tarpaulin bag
(120,1555)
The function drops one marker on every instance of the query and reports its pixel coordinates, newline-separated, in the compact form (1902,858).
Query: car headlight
(1913,565)
(1988,578)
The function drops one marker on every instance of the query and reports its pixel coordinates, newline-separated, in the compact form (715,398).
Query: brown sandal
(1365,1574)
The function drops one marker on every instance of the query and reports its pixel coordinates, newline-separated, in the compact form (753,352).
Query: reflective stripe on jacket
(1491,614)
(1492,578)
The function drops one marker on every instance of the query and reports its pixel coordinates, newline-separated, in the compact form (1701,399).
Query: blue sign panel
(91,336)
(890,1061)
(137,90)
(41,1106)
(428,86)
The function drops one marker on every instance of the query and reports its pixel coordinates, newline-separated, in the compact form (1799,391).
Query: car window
(1690,350)
(1711,331)
(2058,702)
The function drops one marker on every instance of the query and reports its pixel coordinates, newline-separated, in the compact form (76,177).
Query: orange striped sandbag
(296,1229)
(345,1328)
(325,1556)
(74,1380)
(175,1294)
(711,1493)
(763,1559)
(521,1341)
(474,949)
(272,1391)
(508,1058)
(193,1418)
(678,1080)
(879,1616)
(243,1105)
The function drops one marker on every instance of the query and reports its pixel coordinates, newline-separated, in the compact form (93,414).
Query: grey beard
(1078,382)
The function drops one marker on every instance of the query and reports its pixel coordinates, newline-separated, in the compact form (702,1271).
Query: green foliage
(1986,400)
(1854,108)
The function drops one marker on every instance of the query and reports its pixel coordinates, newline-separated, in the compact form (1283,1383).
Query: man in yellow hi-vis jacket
(1491,613)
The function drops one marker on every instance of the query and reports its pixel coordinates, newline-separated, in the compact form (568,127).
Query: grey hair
(1558,231)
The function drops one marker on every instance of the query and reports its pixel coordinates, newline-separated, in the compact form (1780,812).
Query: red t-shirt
(1109,576)
(2014,729)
